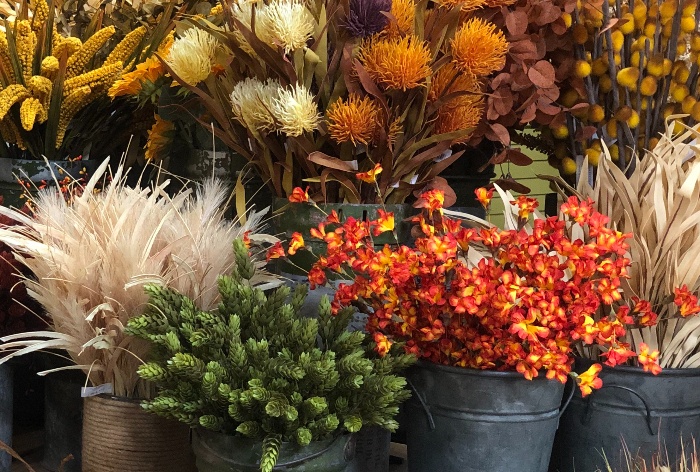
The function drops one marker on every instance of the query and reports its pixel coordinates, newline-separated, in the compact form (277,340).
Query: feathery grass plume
(92,258)
(658,203)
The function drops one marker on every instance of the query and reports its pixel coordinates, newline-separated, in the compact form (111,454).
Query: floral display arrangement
(314,93)
(518,299)
(53,99)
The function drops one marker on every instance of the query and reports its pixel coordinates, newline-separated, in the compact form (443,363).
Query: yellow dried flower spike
(49,67)
(627,77)
(5,58)
(25,40)
(216,10)
(41,14)
(582,69)
(11,134)
(28,112)
(78,61)
(71,105)
(98,80)
(40,87)
(126,46)
(67,46)
(9,96)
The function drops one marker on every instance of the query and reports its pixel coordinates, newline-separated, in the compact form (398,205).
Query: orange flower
(299,196)
(589,380)
(404,14)
(686,301)
(275,252)
(383,343)
(384,223)
(526,206)
(484,196)
(459,114)
(448,79)
(370,176)
(479,48)
(295,244)
(397,63)
(354,121)
(160,139)
(649,360)
(431,200)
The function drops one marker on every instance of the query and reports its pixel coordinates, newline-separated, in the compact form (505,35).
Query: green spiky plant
(258,368)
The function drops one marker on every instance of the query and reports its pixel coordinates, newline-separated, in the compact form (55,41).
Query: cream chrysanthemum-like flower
(253,101)
(287,23)
(192,55)
(295,111)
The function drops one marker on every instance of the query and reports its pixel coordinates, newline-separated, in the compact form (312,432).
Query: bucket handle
(588,413)
(426,408)
(564,405)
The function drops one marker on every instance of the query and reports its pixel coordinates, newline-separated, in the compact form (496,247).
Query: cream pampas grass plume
(192,55)
(92,258)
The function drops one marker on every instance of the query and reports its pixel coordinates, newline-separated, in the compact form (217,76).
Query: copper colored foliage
(18,312)
(539,61)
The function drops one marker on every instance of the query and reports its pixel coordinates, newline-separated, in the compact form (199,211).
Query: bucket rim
(480,372)
(629,369)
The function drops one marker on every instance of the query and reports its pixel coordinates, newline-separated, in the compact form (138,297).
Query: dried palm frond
(659,203)
(91,259)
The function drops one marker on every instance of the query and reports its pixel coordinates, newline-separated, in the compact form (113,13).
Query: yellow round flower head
(295,111)
(191,56)
(479,48)
(354,120)
(396,63)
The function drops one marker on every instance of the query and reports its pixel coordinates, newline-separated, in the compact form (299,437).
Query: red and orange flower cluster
(490,298)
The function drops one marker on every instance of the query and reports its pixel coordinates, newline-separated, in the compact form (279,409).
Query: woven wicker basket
(119,436)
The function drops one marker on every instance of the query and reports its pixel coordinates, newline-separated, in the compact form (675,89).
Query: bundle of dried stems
(658,203)
(91,259)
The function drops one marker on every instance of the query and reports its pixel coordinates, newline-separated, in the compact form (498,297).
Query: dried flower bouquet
(312,93)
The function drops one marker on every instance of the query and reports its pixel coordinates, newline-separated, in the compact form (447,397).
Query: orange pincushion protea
(479,48)
(397,63)
(404,15)
(354,120)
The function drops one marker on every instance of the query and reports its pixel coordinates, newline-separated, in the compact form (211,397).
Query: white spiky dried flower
(252,102)
(192,55)
(295,111)
(287,23)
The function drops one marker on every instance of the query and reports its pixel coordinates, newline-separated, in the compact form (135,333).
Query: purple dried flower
(365,17)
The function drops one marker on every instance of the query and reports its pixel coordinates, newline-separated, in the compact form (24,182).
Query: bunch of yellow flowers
(46,79)
(636,66)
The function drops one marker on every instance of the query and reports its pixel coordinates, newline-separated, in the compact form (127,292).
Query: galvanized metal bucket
(466,420)
(217,452)
(647,414)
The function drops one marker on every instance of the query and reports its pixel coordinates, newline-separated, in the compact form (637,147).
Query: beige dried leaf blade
(658,203)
